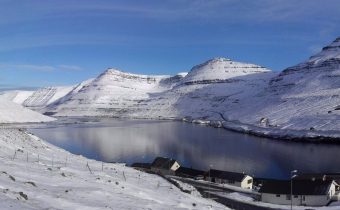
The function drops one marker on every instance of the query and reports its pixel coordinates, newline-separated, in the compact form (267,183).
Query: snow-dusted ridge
(221,69)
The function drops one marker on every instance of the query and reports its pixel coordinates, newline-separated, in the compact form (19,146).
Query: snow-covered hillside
(42,97)
(17,96)
(302,97)
(207,90)
(37,175)
(11,112)
(113,93)
(220,70)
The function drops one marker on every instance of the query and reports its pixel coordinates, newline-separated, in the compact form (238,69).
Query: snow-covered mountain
(11,112)
(113,93)
(302,97)
(42,97)
(207,90)
(305,97)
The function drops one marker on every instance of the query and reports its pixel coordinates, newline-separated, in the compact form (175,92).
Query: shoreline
(302,136)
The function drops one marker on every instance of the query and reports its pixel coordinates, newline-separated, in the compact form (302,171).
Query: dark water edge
(197,146)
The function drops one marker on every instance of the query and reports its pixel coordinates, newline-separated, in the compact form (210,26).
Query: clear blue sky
(61,42)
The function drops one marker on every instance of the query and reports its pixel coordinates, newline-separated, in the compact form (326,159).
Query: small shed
(164,166)
(232,178)
(304,192)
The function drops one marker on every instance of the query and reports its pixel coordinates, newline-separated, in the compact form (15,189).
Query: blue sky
(62,42)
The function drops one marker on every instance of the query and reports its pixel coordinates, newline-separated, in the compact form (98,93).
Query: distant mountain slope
(45,96)
(220,70)
(212,84)
(113,93)
(42,97)
(207,90)
(305,97)
(302,97)
(17,96)
(11,112)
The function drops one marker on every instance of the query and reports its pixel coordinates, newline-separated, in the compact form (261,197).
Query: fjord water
(196,146)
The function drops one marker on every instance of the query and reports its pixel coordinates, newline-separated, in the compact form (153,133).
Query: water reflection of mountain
(193,145)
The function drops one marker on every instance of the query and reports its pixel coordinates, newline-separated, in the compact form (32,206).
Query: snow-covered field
(37,175)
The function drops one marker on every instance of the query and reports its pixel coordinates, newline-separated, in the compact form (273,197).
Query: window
(303,198)
(296,196)
(278,195)
(287,197)
(250,181)
(231,181)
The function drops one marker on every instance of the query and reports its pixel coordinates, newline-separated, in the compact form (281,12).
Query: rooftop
(162,162)
(300,187)
(227,175)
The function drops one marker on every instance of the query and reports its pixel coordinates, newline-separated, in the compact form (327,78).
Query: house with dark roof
(164,166)
(232,178)
(189,173)
(306,192)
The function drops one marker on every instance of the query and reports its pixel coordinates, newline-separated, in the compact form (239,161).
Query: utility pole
(293,174)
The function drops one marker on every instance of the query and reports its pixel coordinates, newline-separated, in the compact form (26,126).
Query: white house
(232,178)
(164,166)
(305,192)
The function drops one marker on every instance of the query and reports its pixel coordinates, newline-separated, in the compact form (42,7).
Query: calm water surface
(192,145)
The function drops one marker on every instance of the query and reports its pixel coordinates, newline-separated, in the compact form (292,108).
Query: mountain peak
(332,51)
(220,69)
(219,59)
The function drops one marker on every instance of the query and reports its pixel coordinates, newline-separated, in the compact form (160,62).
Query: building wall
(247,182)
(244,184)
(310,200)
(162,171)
(175,166)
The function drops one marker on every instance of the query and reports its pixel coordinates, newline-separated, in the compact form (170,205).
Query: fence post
(15,153)
(87,164)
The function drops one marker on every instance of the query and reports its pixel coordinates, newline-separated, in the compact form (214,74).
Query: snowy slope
(37,175)
(113,93)
(17,96)
(11,112)
(220,70)
(207,90)
(42,97)
(302,97)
